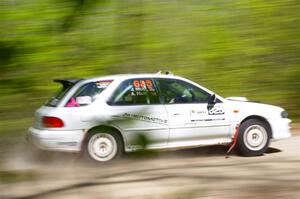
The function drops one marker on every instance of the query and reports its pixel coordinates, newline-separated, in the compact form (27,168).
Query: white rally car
(103,117)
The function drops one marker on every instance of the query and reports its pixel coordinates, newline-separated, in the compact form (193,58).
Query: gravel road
(194,173)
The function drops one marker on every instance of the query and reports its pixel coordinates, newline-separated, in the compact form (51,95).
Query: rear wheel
(254,138)
(103,146)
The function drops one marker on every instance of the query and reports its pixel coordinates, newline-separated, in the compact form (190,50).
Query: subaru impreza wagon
(102,117)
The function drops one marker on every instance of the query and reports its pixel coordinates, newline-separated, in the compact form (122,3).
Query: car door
(192,119)
(137,111)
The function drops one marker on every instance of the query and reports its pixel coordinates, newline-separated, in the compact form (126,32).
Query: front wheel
(254,138)
(103,146)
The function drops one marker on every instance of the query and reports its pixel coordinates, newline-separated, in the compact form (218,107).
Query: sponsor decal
(145,118)
(215,110)
(103,84)
(213,113)
(198,112)
(206,120)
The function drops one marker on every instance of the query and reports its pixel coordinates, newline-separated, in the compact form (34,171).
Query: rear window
(53,102)
(87,93)
(83,96)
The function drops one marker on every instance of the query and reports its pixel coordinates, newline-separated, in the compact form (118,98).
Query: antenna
(169,73)
(166,72)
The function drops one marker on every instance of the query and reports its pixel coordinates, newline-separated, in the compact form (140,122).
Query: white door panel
(136,110)
(148,120)
(195,122)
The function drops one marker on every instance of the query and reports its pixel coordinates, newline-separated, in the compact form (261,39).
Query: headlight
(284,114)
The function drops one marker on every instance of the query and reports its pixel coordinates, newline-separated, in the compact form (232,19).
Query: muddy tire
(103,146)
(254,138)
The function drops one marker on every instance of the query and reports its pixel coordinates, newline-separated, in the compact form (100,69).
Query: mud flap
(234,141)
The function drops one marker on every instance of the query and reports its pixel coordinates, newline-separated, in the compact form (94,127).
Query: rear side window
(135,92)
(87,93)
(53,102)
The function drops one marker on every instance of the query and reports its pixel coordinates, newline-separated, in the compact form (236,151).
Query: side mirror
(212,99)
(84,100)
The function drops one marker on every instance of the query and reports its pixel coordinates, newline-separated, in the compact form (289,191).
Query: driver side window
(175,91)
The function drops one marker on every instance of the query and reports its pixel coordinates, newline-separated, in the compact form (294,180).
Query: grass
(17,176)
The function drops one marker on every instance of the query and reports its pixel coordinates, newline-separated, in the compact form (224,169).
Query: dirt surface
(295,128)
(196,173)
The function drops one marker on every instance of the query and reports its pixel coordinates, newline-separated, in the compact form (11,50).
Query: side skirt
(183,145)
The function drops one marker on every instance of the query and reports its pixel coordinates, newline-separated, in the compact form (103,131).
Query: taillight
(52,122)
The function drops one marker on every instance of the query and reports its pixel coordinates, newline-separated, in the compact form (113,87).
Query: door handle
(176,114)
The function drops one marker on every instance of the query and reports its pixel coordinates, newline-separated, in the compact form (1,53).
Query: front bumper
(281,128)
(56,140)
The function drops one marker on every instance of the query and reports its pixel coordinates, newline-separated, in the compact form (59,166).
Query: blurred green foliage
(236,48)
(17,176)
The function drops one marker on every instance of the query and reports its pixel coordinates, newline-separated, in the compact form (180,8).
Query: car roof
(129,76)
(121,77)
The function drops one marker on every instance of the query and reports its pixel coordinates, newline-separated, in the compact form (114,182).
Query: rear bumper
(281,128)
(69,141)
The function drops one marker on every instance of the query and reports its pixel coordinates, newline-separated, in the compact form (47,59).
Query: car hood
(254,108)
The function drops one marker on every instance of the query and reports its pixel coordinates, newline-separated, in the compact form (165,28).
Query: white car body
(165,125)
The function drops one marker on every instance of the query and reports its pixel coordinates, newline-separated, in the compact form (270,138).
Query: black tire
(254,138)
(103,137)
